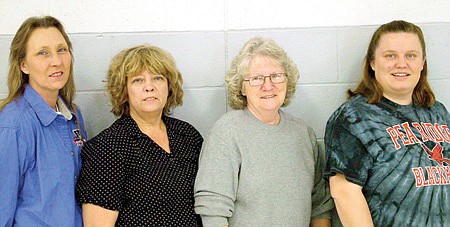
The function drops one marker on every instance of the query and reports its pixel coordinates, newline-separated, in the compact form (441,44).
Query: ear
(24,68)
(371,65)
(243,90)
(423,63)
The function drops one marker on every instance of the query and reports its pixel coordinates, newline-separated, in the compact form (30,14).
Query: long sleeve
(321,197)
(254,174)
(217,179)
(10,175)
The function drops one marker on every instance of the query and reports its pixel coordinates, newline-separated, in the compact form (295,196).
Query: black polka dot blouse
(124,170)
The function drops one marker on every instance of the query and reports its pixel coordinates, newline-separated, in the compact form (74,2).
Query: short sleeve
(102,175)
(345,153)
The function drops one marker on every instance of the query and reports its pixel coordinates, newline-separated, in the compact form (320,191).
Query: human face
(47,61)
(397,64)
(264,101)
(147,94)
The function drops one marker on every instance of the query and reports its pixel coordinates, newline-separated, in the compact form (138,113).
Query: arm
(322,203)
(96,216)
(100,186)
(320,222)
(217,178)
(10,174)
(350,202)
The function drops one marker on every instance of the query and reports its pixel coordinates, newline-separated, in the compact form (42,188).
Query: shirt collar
(44,112)
(63,109)
(133,129)
(131,126)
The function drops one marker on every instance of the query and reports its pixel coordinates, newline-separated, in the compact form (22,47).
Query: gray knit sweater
(254,174)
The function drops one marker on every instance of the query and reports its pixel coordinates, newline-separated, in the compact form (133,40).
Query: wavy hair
(131,62)
(369,86)
(258,46)
(18,79)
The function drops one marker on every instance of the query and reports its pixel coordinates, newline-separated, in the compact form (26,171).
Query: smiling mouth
(57,74)
(150,98)
(268,97)
(400,74)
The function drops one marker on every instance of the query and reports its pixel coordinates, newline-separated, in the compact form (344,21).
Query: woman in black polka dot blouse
(141,170)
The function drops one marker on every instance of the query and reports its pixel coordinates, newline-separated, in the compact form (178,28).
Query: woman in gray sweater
(259,165)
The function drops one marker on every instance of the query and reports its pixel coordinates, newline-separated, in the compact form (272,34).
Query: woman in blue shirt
(41,130)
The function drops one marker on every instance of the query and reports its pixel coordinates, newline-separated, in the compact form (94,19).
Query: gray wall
(329,59)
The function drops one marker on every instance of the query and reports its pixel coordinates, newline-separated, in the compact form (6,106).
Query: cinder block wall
(329,59)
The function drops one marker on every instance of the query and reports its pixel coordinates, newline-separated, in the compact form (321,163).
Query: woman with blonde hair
(259,165)
(140,171)
(41,129)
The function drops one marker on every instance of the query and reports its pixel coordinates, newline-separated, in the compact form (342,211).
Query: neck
(406,100)
(49,97)
(269,117)
(52,102)
(148,122)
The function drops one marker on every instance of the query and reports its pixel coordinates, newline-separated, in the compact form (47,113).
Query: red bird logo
(436,154)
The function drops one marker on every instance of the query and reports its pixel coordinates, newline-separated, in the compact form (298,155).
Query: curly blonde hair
(131,62)
(258,46)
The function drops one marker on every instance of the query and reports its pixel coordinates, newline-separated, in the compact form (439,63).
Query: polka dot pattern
(124,170)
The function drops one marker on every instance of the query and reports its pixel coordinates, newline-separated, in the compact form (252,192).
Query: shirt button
(76,177)
(71,153)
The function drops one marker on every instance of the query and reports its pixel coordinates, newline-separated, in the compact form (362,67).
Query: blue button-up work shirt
(39,163)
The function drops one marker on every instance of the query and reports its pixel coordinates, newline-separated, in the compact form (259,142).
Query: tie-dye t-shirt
(399,154)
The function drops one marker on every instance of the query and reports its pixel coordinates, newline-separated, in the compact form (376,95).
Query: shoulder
(297,124)
(440,107)
(229,124)
(231,118)
(18,114)
(115,134)
(439,110)
(181,127)
(353,109)
(291,119)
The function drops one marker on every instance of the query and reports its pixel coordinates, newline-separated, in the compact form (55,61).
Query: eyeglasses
(275,78)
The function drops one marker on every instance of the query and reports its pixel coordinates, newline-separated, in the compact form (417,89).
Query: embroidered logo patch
(78,139)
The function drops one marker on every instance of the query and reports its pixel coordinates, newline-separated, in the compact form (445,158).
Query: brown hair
(132,61)
(369,86)
(16,78)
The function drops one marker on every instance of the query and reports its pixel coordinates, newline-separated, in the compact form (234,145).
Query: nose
(149,86)
(401,62)
(56,60)
(267,83)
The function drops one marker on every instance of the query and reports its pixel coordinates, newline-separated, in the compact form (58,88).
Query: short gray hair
(258,46)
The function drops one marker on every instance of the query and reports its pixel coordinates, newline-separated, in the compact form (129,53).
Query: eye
(390,56)
(137,80)
(257,78)
(276,75)
(62,50)
(411,56)
(158,78)
(42,52)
